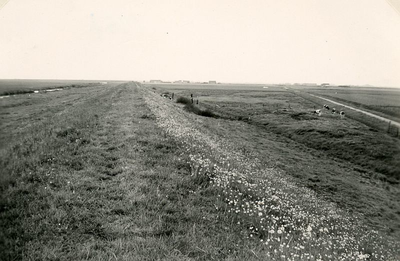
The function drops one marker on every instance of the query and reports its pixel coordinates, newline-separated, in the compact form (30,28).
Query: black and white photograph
(200,130)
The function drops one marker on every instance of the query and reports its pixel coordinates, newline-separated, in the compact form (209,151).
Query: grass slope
(289,219)
(344,161)
(99,180)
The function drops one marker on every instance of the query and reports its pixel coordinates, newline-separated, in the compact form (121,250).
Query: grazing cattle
(333,110)
(318,112)
(341,114)
(166,96)
(326,106)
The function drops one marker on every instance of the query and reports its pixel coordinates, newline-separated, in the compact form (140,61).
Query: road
(397,124)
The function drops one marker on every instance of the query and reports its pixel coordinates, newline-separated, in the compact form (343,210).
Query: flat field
(118,172)
(382,101)
(20,86)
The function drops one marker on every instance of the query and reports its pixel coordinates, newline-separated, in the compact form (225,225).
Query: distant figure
(341,114)
(197,102)
(172,95)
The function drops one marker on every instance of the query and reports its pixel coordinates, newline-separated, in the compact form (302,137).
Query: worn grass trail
(100,181)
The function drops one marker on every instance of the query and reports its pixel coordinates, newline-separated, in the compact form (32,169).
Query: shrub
(189,106)
(205,113)
(208,113)
(184,100)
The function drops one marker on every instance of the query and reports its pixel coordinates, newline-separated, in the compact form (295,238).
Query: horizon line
(328,84)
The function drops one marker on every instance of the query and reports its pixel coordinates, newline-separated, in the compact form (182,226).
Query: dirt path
(397,124)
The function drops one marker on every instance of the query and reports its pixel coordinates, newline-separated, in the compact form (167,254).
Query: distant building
(103,83)
(181,81)
(155,81)
(212,82)
(324,84)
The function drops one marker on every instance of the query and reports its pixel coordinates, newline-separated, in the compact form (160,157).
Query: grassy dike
(100,181)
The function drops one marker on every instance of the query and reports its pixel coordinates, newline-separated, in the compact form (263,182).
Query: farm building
(181,81)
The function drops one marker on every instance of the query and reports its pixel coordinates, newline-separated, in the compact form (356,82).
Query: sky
(353,42)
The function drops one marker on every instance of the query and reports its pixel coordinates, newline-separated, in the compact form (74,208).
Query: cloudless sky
(266,41)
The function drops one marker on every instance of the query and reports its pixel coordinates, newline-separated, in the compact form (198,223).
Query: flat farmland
(383,101)
(20,86)
(194,86)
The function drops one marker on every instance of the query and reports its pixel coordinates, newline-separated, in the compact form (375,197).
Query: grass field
(384,102)
(11,87)
(118,172)
(89,175)
(339,154)
(262,131)
(290,113)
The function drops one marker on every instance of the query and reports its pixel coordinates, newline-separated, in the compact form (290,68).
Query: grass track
(101,181)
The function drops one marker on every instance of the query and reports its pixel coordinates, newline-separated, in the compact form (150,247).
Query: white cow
(318,112)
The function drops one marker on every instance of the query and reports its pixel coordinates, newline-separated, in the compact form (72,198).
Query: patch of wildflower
(290,221)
